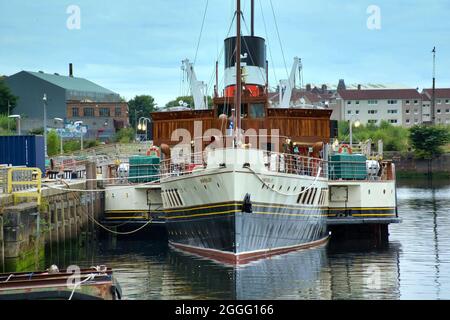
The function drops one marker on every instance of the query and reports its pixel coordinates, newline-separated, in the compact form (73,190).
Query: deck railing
(279,163)
(21,182)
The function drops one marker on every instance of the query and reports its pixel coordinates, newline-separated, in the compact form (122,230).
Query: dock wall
(409,164)
(28,230)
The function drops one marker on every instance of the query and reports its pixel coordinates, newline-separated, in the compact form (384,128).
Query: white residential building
(373,106)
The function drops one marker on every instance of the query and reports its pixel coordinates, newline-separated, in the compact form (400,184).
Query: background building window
(393,121)
(104,112)
(118,111)
(372,121)
(372,111)
(88,112)
(407,102)
(392,111)
(392,101)
(75,112)
(372,102)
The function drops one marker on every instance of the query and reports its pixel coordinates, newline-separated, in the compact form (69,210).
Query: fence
(21,182)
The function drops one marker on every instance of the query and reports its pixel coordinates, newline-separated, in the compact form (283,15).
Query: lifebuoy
(346,146)
(154,151)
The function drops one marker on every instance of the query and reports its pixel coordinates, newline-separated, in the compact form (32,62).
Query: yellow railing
(24,183)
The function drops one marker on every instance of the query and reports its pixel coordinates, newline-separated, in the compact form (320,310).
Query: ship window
(288,188)
(305,198)
(300,195)
(256,111)
(321,196)
(171,201)
(178,197)
(174,199)
(313,197)
(281,187)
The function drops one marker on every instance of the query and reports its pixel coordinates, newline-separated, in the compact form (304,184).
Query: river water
(414,265)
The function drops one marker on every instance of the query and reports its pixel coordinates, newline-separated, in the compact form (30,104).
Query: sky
(136,47)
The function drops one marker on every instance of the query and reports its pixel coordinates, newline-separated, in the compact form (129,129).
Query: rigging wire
(268,42)
(279,39)
(201,31)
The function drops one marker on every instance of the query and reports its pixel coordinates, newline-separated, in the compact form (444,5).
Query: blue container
(23,151)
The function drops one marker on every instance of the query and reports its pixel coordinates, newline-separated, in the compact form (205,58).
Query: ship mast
(238,72)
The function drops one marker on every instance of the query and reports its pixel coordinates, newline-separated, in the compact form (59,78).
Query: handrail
(24,182)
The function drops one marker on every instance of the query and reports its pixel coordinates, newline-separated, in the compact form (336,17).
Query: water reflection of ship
(290,276)
(362,272)
(321,273)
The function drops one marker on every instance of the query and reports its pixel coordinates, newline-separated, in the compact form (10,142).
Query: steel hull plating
(225,233)
(237,209)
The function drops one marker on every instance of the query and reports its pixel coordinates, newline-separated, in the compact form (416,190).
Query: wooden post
(2,245)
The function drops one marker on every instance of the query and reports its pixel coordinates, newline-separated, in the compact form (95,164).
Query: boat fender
(247,205)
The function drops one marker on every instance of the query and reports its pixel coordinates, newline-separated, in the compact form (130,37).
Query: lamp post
(135,123)
(44,99)
(144,125)
(17,117)
(9,106)
(81,132)
(60,136)
(357,123)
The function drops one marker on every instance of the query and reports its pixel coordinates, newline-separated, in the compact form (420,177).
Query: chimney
(359,87)
(71,70)
(308,87)
(324,88)
(341,85)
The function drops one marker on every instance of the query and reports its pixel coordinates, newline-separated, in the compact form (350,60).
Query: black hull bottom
(224,233)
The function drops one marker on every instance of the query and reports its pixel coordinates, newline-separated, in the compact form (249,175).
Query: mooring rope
(74,194)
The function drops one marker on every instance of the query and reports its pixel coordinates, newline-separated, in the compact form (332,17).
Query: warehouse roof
(71,83)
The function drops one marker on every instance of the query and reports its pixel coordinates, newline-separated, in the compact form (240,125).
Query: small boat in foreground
(95,283)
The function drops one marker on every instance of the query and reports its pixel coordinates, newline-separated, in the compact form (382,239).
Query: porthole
(369,191)
(384,191)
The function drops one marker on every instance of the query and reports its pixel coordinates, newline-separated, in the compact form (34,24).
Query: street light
(17,117)
(60,136)
(135,122)
(357,123)
(81,131)
(44,99)
(143,126)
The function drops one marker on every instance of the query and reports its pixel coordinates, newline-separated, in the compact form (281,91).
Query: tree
(427,141)
(143,105)
(5,96)
(187,99)
(53,143)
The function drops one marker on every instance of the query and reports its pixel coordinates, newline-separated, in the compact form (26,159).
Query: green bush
(395,138)
(53,143)
(125,135)
(4,125)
